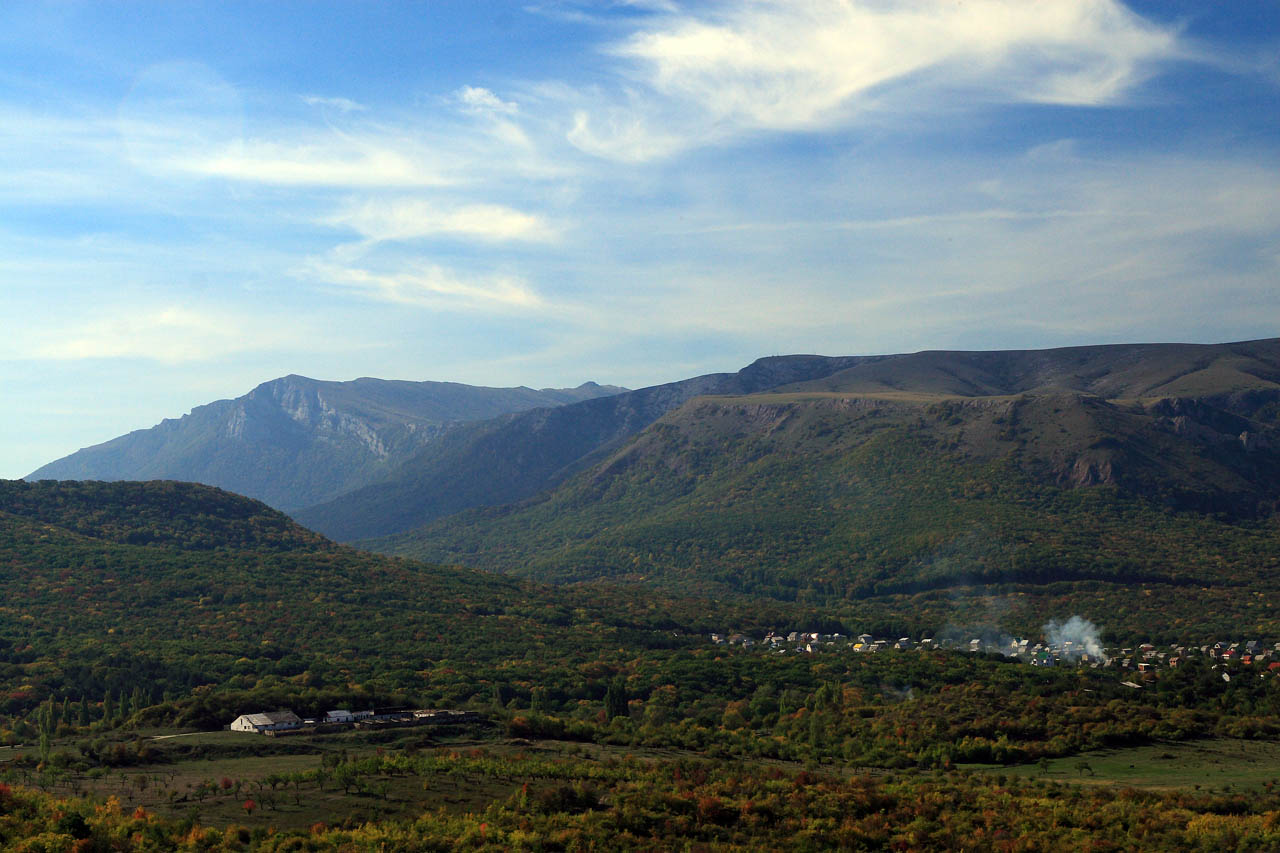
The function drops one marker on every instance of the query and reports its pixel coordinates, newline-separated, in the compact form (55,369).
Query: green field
(1196,765)
(185,763)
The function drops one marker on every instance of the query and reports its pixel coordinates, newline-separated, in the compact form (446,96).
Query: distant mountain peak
(295,440)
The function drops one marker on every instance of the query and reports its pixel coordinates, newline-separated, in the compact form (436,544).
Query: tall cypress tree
(615,699)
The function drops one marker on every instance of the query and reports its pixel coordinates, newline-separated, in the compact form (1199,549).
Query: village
(1138,663)
(285,722)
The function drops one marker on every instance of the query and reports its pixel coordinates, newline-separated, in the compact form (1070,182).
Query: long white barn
(269,721)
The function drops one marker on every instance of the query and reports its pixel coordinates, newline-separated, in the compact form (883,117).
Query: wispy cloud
(809,64)
(344,105)
(1131,248)
(171,334)
(479,99)
(407,219)
(430,286)
(338,165)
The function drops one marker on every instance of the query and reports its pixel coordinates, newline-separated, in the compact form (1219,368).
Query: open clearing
(210,776)
(1197,765)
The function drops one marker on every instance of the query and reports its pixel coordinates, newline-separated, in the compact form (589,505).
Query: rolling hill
(296,441)
(187,590)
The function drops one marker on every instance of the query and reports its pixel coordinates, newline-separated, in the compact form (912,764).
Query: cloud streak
(344,105)
(170,335)
(811,64)
(429,285)
(370,165)
(381,220)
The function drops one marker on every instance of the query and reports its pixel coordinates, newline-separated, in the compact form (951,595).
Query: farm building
(269,721)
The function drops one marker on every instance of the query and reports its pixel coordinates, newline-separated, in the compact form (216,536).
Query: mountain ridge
(294,441)
(497,463)
(519,455)
(956,470)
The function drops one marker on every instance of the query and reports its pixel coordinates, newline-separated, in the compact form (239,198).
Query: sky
(196,198)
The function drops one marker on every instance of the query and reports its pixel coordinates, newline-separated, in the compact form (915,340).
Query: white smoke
(1080,633)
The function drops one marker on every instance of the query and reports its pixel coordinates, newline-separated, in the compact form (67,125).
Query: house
(339,716)
(269,721)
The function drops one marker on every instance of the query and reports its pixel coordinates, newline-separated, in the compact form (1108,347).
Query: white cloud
(632,133)
(479,99)
(1129,248)
(408,219)
(801,65)
(345,105)
(651,5)
(171,334)
(322,164)
(498,118)
(431,286)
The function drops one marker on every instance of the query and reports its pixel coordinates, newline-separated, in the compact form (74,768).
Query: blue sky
(199,197)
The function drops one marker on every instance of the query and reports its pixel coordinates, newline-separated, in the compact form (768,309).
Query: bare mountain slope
(1111,372)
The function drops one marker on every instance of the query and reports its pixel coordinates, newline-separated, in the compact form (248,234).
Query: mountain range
(514,457)
(874,485)
(294,441)
(1207,392)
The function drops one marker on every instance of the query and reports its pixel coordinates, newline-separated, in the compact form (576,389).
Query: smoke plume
(1081,633)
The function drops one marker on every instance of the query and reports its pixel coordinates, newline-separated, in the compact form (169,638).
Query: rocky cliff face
(514,458)
(295,441)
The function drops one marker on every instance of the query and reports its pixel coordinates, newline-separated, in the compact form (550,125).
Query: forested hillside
(602,712)
(168,587)
(922,499)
